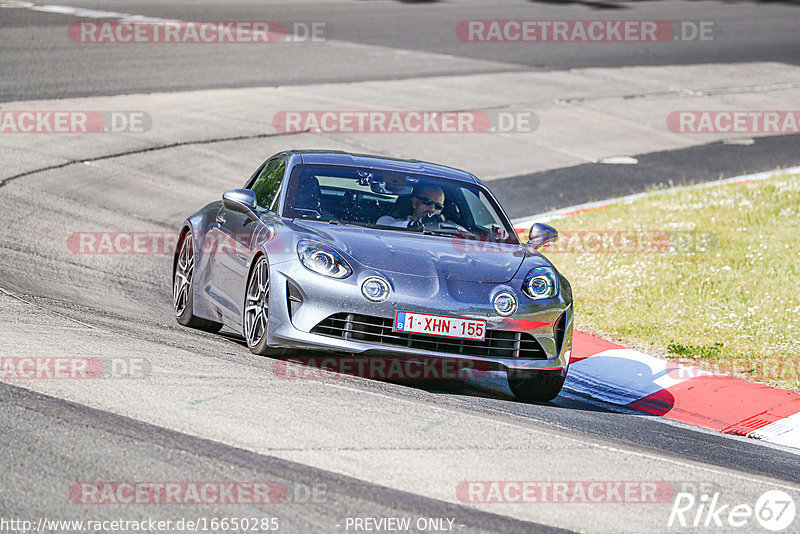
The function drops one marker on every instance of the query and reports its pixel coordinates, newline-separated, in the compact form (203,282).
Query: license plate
(439,325)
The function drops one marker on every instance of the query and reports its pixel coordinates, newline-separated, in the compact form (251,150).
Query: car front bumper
(291,322)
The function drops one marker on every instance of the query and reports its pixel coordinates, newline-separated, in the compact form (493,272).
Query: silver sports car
(372,256)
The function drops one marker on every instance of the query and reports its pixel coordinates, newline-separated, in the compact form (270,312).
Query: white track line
(525,222)
(91,13)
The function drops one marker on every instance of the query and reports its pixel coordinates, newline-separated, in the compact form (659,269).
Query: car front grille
(498,343)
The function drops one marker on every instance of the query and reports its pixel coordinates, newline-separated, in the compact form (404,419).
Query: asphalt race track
(345,454)
(420,33)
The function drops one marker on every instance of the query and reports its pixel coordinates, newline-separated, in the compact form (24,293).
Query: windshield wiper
(448,231)
(337,222)
(441,232)
(350,223)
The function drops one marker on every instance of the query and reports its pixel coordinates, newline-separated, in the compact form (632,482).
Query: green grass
(722,291)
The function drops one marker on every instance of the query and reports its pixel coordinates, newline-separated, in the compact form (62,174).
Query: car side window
(481,214)
(268,184)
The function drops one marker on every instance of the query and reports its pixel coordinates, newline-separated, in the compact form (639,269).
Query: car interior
(363,200)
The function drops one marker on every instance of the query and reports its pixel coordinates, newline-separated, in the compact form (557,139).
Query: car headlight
(322,259)
(540,283)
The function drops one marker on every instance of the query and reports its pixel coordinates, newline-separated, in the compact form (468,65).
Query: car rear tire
(539,386)
(183,289)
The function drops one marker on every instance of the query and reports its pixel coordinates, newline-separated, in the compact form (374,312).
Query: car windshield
(395,200)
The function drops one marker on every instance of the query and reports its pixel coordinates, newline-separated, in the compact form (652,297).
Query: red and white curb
(624,377)
(612,373)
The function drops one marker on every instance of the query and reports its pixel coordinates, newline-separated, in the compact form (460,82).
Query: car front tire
(255,314)
(538,386)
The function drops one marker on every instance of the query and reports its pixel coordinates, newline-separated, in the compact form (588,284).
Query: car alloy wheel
(256,310)
(183,289)
(184,270)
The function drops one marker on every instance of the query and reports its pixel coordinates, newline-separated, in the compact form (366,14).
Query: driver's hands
(431,218)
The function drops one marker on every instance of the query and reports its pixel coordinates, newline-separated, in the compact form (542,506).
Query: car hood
(421,255)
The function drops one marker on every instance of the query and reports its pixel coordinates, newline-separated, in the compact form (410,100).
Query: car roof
(337,157)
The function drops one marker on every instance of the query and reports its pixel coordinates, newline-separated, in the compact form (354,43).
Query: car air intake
(559,328)
(378,330)
(294,298)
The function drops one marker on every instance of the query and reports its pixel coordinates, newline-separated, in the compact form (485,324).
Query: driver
(427,202)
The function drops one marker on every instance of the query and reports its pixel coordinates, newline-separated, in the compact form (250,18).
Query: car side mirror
(243,201)
(541,235)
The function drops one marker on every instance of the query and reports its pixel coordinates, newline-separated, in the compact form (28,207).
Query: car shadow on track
(628,382)
(631,385)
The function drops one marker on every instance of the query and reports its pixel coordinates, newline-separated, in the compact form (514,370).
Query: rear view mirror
(243,201)
(541,235)
(377,185)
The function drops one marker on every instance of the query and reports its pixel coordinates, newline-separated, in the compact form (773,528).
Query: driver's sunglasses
(429,202)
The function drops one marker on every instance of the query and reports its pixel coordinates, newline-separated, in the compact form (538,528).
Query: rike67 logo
(774,510)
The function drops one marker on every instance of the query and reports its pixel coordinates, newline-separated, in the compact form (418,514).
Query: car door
(236,233)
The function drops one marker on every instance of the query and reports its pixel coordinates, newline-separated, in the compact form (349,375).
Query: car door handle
(221,218)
